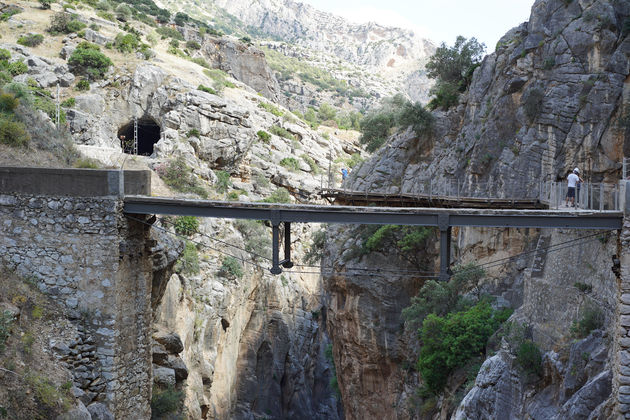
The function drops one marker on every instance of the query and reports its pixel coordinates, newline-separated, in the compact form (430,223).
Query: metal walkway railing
(588,196)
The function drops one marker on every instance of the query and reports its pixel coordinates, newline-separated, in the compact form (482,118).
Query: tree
(453,67)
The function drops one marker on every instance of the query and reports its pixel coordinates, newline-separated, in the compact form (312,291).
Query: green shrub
(31,40)
(591,318)
(281,132)
(440,298)
(316,251)
(219,79)
(231,268)
(200,61)
(264,136)
(397,111)
(193,133)
(87,59)
(223,181)
(532,103)
(192,45)
(5,54)
(186,225)
(17,67)
(311,163)
(8,102)
(271,109)
(549,63)
(164,401)
(181,18)
(69,103)
(290,163)
(256,236)
(106,15)
(445,95)
(450,342)
(206,89)
(177,175)
(75,25)
(235,195)
(45,4)
(583,287)
(83,85)
(188,263)
(126,43)
(529,358)
(281,195)
(6,321)
(123,12)
(167,32)
(13,133)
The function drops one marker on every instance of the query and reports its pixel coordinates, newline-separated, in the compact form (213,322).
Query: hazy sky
(438,20)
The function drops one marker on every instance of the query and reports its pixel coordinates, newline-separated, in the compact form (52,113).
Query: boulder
(164,376)
(171,342)
(99,411)
(178,365)
(77,413)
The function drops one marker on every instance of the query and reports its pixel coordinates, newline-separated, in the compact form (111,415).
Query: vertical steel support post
(275,242)
(601,196)
(445,247)
(287,263)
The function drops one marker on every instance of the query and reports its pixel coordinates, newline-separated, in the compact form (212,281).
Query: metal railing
(588,196)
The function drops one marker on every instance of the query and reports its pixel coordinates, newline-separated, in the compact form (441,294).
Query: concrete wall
(86,255)
(73,182)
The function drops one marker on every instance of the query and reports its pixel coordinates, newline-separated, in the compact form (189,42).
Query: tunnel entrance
(148,135)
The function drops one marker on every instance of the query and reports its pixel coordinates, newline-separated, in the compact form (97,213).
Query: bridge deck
(562,218)
(347,197)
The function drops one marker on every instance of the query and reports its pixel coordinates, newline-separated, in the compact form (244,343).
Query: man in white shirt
(573,179)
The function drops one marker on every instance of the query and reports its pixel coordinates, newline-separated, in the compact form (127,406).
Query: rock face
(378,60)
(574,388)
(550,98)
(244,62)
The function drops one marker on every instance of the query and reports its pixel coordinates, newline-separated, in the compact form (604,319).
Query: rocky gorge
(235,341)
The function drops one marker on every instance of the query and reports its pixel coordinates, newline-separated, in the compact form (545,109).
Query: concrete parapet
(72,182)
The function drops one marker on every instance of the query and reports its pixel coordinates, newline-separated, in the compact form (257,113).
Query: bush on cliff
(454,326)
(87,59)
(397,111)
(450,342)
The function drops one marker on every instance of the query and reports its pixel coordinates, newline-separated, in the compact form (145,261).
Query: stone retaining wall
(85,254)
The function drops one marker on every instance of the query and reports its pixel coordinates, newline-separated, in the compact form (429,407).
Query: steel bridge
(442,218)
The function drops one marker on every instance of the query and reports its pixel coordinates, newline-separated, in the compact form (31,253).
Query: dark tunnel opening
(148,135)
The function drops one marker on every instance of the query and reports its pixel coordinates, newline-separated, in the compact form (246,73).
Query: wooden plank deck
(359,198)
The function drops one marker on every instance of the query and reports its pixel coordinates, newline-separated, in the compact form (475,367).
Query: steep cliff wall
(551,97)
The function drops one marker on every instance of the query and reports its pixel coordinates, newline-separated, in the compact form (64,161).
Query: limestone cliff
(374,59)
(553,96)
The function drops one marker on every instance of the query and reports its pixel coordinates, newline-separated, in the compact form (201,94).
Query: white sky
(438,20)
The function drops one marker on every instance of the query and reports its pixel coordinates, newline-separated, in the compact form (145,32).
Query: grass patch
(177,175)
(188,263)
(290,163)
(271,109)
(281,132)
(281,195)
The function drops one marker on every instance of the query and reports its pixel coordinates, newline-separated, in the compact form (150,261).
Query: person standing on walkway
(572,181)
(344,174)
